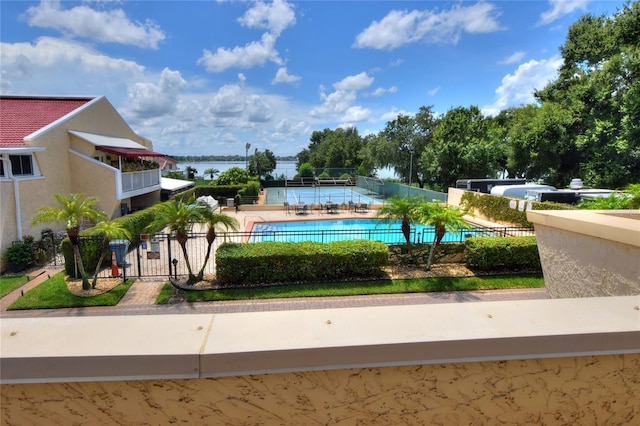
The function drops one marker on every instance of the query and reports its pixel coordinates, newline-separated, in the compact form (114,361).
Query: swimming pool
(320,195)
(353,229)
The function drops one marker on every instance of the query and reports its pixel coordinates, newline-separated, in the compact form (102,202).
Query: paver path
(140,300)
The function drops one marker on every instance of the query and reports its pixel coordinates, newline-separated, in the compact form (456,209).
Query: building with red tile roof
(69,145)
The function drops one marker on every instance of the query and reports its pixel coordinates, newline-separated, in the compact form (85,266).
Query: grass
(8,284)
(417,285)
(53,293)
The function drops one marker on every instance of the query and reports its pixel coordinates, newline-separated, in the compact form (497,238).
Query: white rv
(518,191)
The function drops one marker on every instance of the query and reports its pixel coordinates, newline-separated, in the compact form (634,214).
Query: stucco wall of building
(96,180)
(573,390)
(588,253)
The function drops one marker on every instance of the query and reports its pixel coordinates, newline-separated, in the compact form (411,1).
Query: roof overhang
(129,152)
(115,145)
(21,150)
(169,184)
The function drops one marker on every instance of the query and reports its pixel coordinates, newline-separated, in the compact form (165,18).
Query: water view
(286,168)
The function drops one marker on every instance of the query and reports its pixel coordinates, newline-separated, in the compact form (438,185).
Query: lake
(287,168)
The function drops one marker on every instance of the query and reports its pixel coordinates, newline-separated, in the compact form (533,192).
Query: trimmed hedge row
(276,262)
(496,253)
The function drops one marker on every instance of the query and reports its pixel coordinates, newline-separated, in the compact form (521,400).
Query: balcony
(138,183)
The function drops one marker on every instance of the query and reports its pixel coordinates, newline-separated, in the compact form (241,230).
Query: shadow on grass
(415,285)
(53,294)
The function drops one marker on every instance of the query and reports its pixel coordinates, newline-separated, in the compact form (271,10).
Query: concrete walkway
(140,300)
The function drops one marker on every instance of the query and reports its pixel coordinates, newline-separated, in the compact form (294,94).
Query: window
(21,165)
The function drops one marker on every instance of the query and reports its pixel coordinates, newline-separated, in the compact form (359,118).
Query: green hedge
(502,253)
(275,262)
(218,191)
(497,208)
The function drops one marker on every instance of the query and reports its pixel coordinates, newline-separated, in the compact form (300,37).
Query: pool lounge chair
(362,207)
(301,208)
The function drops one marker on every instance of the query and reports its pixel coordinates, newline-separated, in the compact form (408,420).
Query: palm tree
(112,231)
(214,220)
(191,172)
(402,209)
(211,172)
(443,218)
(73,208)
(179,216)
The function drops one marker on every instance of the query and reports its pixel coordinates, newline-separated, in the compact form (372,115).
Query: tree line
(584,124)
(216,158)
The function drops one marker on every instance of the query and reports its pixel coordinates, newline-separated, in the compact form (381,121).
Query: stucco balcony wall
(556,361)
(589,253)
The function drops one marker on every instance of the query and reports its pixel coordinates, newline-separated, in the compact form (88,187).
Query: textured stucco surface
(572,390)
(578,265)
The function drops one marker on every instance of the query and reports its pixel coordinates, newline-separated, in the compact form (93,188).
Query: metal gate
(160,255)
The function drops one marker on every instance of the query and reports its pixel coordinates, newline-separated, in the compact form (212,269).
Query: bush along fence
(272,262)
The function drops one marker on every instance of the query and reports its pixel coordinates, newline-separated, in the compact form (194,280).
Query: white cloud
(258,110)
(153,100)
(334,103)
(354,82)
(67,67)
(111,26)
(356,114)
(402,27)
(381,91)
(393,114)
(275,16)
(282,76)
(253,54)
(290,130)
(179,127)
(560,8)
(517,88)
(228,101)
(433,91)
(514,58)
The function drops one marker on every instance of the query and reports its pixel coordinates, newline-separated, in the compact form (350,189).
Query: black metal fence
(162,256)
(386,235)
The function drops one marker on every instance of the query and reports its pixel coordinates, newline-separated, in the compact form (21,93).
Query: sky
(210,77)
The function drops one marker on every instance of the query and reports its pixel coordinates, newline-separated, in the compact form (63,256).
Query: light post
(410,170)
(246,155)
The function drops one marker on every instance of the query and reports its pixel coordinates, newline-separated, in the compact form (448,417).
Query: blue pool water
(320,195)
(351,229)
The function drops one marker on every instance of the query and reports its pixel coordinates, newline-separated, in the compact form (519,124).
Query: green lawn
(418,285)
(53,293)
(8,284)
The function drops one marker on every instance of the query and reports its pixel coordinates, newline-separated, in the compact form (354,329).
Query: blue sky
(207,77)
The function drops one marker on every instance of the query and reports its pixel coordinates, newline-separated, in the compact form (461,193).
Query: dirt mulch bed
(103,285)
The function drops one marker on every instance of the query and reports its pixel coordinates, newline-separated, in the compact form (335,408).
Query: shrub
(502,253)
(21,254)
(275,262)
(497,208)
(234,175)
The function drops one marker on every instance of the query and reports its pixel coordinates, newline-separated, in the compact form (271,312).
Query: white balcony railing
(134,181)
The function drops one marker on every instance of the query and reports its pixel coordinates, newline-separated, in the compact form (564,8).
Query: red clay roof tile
(21,116)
